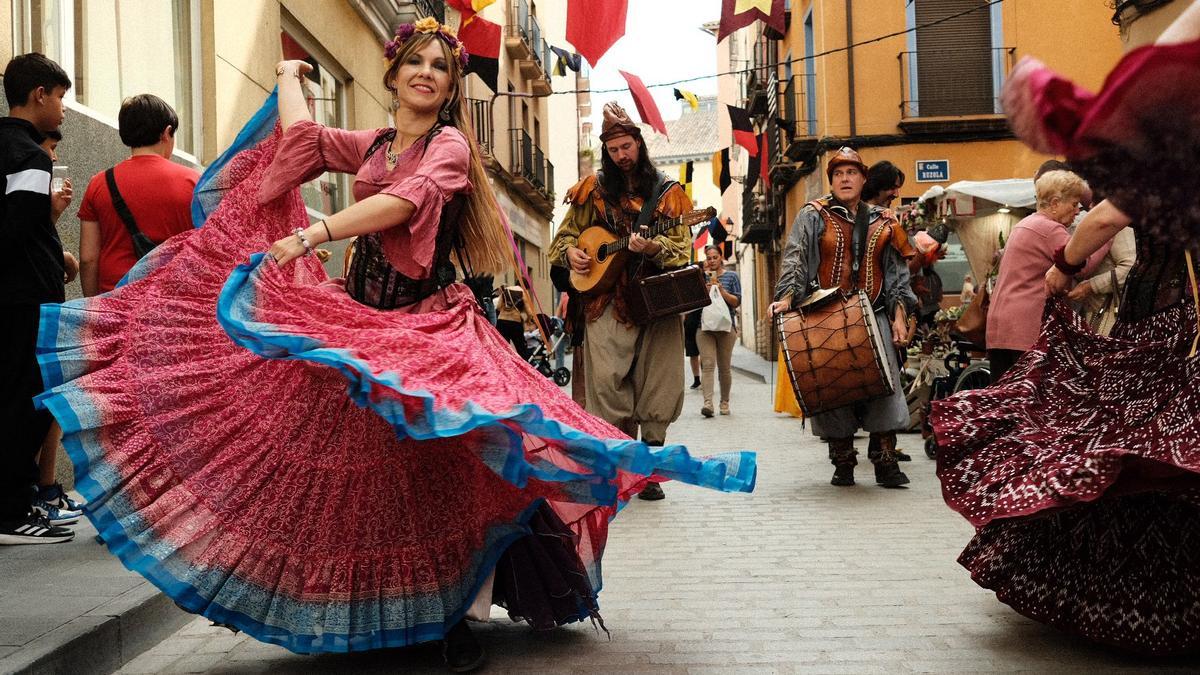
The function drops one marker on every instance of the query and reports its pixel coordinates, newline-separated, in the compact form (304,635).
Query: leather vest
(837,251)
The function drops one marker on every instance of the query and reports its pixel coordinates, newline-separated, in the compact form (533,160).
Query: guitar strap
(648,207)
(650,204)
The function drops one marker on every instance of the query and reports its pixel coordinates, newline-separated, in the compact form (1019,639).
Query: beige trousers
(716,352)
(635,374)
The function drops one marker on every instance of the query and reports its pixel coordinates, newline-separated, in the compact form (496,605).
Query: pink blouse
(426,177)
(1014,318)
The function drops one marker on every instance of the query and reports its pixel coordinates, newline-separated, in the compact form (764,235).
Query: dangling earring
(444,113)
(395,102)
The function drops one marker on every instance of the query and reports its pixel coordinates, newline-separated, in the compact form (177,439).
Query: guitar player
(634,372)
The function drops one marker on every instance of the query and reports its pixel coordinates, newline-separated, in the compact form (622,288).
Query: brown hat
(617,123)
(845,155)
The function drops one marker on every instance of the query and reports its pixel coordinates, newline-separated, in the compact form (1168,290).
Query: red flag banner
(743,129)
(646,106)
(471,6)
(595,25)
(481,40)
(736,14)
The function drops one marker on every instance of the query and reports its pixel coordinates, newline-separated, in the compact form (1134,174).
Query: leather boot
(887,468)
(841,450)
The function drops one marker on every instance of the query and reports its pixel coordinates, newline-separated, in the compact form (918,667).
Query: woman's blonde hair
(485,242)
(1059,184)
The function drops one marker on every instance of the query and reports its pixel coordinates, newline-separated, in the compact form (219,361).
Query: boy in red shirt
(157,191)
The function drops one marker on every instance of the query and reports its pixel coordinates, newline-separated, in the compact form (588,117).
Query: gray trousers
(635,374)
(881,414)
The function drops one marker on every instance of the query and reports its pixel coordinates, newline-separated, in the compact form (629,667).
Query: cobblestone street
(797,577)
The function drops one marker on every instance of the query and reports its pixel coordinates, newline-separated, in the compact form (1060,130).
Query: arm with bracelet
(1098,227)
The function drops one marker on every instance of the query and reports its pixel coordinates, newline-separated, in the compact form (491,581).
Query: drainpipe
(850,65)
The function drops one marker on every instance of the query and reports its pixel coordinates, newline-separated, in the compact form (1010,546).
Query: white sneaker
(34,529)
(56,514)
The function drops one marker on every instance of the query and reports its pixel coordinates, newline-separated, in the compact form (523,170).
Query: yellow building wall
(246,47)
(6,38)
(1074,37)
(532,229)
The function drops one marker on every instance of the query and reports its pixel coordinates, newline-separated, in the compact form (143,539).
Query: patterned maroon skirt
(1080,470)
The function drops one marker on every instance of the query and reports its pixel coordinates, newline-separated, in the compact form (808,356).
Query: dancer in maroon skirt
(1080,468)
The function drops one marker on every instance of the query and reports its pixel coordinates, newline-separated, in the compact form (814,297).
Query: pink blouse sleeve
(440,174)
(308,150)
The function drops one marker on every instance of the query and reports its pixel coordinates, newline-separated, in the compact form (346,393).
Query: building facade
(691,138)
(926,99)
(214,62)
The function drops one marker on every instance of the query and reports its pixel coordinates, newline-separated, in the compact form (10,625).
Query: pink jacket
(1015,315)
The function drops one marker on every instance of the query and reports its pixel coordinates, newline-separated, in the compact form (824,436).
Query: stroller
(960,370)
(540,354)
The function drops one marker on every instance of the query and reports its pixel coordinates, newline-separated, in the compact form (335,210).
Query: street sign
(933,170)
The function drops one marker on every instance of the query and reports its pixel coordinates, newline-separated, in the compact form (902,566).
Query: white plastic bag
(715,316)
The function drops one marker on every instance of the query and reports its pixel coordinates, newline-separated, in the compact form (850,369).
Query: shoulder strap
(119,204)
(383,137)
(650,205)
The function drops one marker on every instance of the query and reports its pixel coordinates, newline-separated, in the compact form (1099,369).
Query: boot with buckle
(841,451)
(887,467)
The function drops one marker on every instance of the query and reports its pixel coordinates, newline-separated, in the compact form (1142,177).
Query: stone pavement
(798,577)
(74,608)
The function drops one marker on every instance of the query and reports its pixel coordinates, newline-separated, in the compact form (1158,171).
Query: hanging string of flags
(472,6)
(685,178)
(681,95)
(566,60)
(593,26)
(644,102)
(737,14)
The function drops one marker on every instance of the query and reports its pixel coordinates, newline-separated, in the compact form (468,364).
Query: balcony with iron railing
(527,46)
(758,225)
(764,62)
(479,112)
(532,171)
(953,82)
(434,8)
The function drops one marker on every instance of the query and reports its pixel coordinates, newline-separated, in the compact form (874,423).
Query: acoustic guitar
(608,252)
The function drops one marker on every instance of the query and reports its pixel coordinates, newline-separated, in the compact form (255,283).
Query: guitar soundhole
(602,253)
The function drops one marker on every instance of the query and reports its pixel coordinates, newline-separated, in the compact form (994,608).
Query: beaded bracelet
(303,240)
(1060,261)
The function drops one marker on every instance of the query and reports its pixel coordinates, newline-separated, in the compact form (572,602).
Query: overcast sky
(663,42)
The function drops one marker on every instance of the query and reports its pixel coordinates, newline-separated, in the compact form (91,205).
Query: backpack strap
(120,206)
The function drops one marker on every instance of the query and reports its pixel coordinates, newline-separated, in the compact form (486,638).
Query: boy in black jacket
(32,274)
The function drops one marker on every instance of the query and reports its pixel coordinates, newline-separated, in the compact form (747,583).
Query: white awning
(1016,192)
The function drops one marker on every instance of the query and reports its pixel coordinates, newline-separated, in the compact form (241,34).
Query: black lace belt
(372,281)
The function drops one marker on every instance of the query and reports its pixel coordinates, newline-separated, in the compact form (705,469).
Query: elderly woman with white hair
(1015,316)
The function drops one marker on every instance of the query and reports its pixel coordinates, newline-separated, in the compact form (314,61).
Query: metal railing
(793,104)
(528,161)
(963,81)
(477,111)
(434,8)
(528,29)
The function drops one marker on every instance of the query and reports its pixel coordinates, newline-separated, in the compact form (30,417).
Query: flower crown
(427,25)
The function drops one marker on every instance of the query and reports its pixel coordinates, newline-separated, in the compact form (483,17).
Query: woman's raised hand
(293,68)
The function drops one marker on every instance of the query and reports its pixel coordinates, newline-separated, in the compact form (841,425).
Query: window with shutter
(954,59)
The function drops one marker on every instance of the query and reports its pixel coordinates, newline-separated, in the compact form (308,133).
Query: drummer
(840,241)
